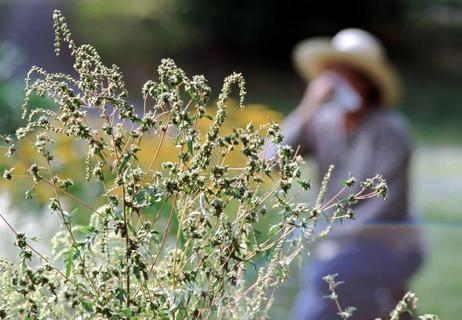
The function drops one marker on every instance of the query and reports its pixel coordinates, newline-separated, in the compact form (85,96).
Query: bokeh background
(423,38)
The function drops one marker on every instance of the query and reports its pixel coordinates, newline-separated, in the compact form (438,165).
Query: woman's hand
(319,91)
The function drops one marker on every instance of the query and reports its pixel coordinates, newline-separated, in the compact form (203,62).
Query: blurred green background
(423,38)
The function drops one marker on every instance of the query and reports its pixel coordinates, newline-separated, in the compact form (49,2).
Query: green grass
(439,283)
(437,186)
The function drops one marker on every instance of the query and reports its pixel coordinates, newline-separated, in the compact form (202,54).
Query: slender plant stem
(46,260)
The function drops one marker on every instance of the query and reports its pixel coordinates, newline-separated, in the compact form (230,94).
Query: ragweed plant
(406,306)
(170,240)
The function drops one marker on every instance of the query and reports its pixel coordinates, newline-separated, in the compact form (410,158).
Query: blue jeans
(375,280)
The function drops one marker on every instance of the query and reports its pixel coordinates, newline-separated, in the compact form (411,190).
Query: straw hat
(354,47)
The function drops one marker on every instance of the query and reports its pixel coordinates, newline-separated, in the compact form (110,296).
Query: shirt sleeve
(297,133)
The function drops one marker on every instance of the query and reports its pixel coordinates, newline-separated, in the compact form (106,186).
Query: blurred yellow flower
(69,161)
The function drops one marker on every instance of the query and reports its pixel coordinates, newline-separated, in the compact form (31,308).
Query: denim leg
(375,279)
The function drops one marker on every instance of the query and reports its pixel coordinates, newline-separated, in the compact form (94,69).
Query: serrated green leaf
(190,146)
(72,254)
(120,294)
(126,312)
(124,163)
(87,305)
(85,229)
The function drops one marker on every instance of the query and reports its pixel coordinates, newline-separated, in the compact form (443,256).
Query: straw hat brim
(311,56)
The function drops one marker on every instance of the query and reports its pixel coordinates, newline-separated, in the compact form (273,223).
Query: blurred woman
(346,119)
